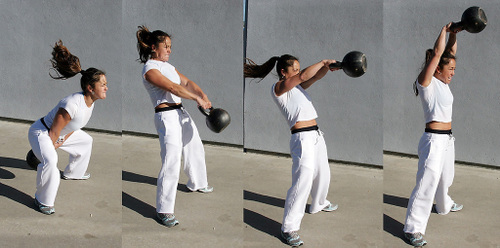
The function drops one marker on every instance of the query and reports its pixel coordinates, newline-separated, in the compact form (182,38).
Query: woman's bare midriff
(166,104)
(438,125)
(302,124)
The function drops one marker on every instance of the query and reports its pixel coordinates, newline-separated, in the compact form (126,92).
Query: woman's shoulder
(156,64)
(431,83)
(74,96)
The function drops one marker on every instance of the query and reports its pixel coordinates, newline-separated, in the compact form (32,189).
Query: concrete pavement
(88,213)
(477,225)
(246,207)
(116,207)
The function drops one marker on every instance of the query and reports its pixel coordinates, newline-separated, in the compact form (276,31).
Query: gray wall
(349,109)
(409,29)
(90,29)
(207,47)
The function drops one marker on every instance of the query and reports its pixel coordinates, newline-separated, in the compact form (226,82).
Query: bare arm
(194,88)
(425,76)
(61,119)
(451,46)
(305,78)
(319,75)
(157,79)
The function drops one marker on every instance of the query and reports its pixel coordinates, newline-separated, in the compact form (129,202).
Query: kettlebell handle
(205,112)
(456,25)
(337,64)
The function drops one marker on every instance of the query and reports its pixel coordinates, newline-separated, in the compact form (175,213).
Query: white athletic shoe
(208,189)
(456,207)
(85,177)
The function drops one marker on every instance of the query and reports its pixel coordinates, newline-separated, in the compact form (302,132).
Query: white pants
(79,147)
(178,138)
(310,175)
(436,169)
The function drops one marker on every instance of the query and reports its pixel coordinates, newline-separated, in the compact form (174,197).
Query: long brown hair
(444,60)
(146,40)
(68,65)
(253,70)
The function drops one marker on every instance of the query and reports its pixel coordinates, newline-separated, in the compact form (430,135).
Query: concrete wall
(409,29)
(349,109)
(90,29)
(208,48)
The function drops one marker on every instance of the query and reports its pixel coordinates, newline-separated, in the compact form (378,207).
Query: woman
(436,149)
(310,169)
(177,132)
(61,128)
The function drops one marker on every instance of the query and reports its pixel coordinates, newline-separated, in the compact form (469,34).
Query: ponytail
(68,65)
(252,70)
(146,40)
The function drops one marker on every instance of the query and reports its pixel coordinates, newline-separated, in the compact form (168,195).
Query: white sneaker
(85,177)
(208,189)
(456,207)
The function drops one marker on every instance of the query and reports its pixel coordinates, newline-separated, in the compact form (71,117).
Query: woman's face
(162,50)
(446,73)
(100,88)
(292,70)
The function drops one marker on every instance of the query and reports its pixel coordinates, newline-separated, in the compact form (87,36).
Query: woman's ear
(90,89)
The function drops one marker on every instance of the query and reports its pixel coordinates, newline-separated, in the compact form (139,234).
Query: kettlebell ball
(32,160)
(216,119)
(473,20)
(353,64)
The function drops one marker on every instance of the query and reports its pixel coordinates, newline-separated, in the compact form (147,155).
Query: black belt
(43,122)
(428,130)
(305,129)
(168,108)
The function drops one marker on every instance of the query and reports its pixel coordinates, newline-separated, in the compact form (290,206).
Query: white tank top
(295,104)
(156,94)
(437,101)
(77,109)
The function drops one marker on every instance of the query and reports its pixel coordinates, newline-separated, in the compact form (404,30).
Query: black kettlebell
(216,119)
(32,160)
(353,64)
(473,20)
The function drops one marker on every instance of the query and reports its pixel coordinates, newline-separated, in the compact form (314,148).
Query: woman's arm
(194,88)
(451,45)
(425,76)
(305,78)
(157,79)
(61,119)
(319,75)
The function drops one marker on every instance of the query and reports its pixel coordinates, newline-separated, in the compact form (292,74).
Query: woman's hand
(205,98)
(59,142)
(328,62)
(450,30)
(204,104)
(447,27)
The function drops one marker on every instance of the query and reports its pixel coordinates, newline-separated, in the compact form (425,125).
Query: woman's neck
(89,99)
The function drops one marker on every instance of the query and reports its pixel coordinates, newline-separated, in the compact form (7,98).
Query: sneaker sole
(67,178)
